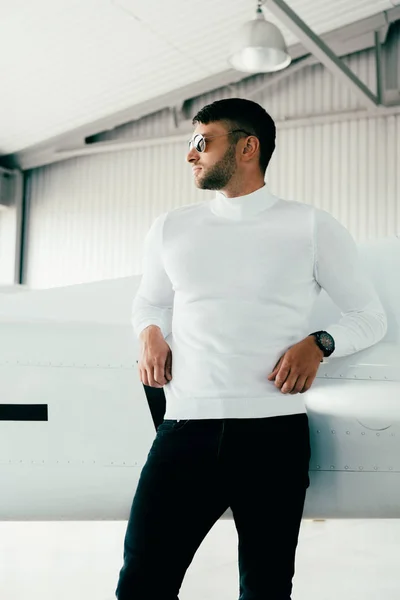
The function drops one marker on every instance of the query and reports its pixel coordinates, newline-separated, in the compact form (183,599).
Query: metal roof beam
(323,52)
(379,68)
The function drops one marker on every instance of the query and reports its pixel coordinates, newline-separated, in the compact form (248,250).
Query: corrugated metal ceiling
(65,63)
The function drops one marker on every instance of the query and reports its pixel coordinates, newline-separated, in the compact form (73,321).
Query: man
(230,284)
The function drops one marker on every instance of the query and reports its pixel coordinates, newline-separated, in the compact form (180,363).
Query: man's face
(213,168)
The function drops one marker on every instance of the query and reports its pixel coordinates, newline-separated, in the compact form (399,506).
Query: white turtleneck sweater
(231,283)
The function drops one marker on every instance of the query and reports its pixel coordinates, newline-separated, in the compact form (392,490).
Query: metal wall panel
(8,223)
(351,169)
(88,216)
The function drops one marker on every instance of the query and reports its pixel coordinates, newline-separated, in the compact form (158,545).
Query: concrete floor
(349,560)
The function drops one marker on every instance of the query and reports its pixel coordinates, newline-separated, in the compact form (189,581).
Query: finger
(150,378)
(143,376)
(290,383)
(282,375)
(158,373)
(149,370)
(308,384)
(168,367)
(299,384)
(272,375)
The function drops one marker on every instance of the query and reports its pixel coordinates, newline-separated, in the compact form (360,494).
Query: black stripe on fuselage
(24,412)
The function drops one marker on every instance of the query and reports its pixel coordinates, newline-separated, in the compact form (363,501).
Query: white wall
(88,216)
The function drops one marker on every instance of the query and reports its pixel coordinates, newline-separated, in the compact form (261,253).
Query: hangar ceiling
(72,68)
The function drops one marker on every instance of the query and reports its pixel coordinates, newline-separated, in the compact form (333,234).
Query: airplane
(76,423)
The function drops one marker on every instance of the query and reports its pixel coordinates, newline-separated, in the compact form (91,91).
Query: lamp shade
(259,47)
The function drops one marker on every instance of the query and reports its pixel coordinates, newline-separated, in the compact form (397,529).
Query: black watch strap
(325,342)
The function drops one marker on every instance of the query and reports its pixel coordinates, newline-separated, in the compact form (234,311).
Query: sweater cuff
(143,324)
(343,345)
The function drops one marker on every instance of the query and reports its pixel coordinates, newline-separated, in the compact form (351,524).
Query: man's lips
(195,169)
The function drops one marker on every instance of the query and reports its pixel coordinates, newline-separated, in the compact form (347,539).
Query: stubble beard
(218,176)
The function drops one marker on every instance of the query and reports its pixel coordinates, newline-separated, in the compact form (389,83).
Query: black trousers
(195,470)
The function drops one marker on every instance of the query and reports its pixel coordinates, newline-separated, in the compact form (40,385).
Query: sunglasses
(199,141)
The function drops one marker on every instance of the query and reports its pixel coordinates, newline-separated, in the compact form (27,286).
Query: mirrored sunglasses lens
(199,143)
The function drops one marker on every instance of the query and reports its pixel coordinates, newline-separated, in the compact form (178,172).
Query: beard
(218,176)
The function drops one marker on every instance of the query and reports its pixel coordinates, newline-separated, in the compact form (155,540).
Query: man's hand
(155,364)
(297,368)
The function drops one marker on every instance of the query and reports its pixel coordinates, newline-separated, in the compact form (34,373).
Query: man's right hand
(155,364)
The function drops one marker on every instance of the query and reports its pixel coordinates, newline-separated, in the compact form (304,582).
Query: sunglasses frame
(202,140)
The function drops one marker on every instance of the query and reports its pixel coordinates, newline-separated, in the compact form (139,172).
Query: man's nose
(192,155)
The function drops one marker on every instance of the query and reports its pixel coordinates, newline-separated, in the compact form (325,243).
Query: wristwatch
(324,341)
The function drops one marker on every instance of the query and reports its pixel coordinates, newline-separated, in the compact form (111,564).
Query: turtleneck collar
(242,207)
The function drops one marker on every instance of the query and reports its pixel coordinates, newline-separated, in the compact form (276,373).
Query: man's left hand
(297,368)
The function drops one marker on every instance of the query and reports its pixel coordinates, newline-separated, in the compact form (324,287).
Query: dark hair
(243,114)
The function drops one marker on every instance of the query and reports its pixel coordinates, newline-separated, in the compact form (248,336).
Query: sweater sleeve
(339,271)
(153,302)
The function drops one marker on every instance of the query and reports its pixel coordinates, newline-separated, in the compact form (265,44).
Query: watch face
(326,340)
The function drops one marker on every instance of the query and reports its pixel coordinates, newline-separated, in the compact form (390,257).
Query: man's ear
(252,145)
(247,148)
